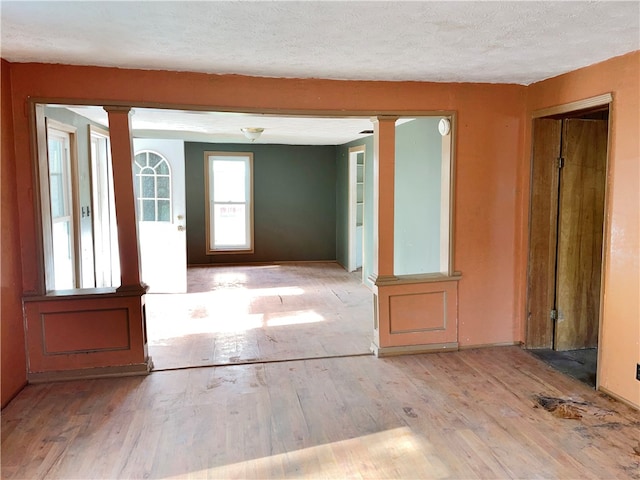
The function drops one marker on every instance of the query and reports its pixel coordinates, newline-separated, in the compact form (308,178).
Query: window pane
(55,155)
(62,255)
(153,187)
(148,187)
(136,186)
(56,187)
(148,210)
(162,168)
(229,180)
(154,159)
(163,187)
(230,225)
(164,211)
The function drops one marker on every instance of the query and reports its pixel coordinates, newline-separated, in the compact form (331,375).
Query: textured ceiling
(224,127)
(497,42)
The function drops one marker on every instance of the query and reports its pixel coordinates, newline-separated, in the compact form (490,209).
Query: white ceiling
(224,127)
(496,42)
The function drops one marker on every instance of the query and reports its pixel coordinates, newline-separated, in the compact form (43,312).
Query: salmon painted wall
(620,340)
(14,371)
(488,148)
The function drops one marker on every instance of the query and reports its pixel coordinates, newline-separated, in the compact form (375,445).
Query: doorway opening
(568,181)
(356,207)
(303,198)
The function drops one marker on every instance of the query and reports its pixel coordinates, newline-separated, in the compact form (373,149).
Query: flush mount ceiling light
(252,133)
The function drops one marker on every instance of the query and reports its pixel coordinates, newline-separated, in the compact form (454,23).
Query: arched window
(152,184)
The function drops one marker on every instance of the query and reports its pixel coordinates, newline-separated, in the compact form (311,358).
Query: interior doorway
(356,207)
(569,165)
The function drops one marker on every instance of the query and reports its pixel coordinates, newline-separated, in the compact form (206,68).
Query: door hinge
(560,162)
(554,314)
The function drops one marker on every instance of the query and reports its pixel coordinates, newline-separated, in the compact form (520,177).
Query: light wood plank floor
(255,313)
(467,414)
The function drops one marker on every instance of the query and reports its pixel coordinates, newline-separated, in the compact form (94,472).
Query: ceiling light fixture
(252,133)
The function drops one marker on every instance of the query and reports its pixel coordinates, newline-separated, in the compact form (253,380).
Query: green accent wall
(342,203)
(417,197)
(294,193)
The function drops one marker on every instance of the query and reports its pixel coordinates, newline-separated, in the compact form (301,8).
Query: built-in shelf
(360,191)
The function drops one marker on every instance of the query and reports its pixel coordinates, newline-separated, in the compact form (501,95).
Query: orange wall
(488,149)
(14,374)
(492,174)
(620,340)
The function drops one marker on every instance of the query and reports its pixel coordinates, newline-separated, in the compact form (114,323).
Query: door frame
(604,100)
(353,207)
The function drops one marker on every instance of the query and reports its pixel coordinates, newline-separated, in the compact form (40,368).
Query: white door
(160,195)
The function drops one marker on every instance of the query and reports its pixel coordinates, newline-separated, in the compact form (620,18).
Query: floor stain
(560,407)
(409,412)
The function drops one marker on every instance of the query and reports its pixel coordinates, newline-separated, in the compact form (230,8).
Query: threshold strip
(254,362)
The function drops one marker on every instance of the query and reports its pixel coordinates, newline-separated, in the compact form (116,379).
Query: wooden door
(580,231)
(542,227)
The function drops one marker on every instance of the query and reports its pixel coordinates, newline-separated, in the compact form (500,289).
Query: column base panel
(413,349)
(87,373)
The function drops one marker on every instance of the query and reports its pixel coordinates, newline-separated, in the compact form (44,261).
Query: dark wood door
(580,232)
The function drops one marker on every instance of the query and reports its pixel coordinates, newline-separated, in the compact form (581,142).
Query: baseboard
(87,373)
(490,345)
(413,349)
(618,398)
(258,264)
(15,394)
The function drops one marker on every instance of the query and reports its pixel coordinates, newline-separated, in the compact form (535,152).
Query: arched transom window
(152,186)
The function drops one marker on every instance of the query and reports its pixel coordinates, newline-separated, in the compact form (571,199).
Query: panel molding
(44,316)
(443,306)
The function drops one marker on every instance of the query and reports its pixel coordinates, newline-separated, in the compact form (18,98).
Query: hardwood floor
(467,414)
(256,313)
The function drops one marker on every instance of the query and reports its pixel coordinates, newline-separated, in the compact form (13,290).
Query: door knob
(181,228)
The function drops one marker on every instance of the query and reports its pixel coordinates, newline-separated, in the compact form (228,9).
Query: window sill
(389,280)
(229,252)
(84,293)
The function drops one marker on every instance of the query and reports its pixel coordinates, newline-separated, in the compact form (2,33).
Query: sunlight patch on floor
(232,322)
(396,453)
(293,318)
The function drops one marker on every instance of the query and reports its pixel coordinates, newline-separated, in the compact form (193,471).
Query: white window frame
(105,232)
(69,177)
(209,158)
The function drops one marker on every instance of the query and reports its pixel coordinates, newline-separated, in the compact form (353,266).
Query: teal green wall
(342,203)
(294,203)
(417,197)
